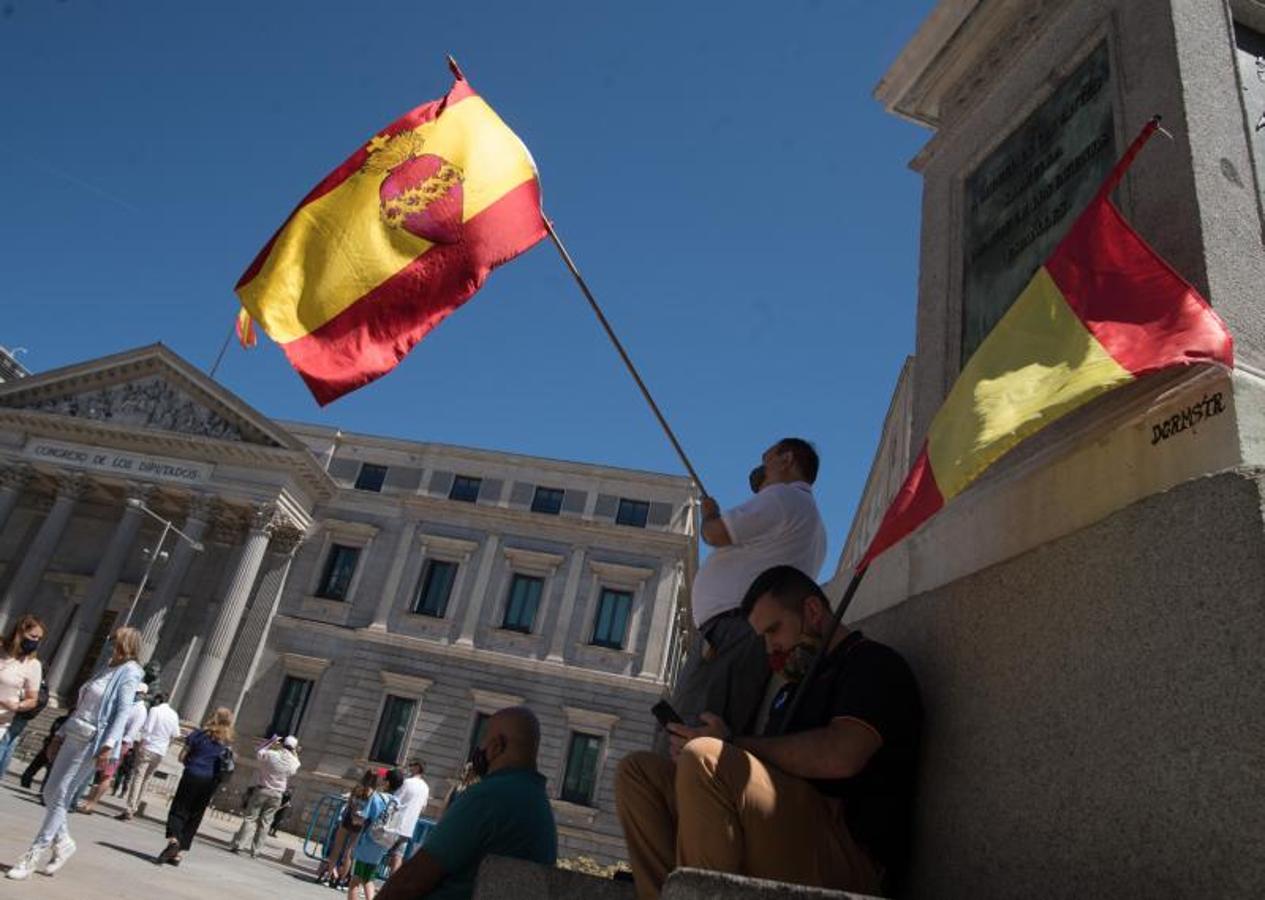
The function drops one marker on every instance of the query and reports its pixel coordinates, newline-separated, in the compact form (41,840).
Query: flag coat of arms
(1104,310)
(392,241)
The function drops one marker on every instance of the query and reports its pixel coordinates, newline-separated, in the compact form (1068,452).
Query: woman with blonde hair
(20,677)
(93,732)
(208,761)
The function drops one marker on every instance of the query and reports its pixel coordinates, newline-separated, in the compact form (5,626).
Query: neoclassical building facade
(376,597)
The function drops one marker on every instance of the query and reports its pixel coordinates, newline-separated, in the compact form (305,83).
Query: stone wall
(1096,707)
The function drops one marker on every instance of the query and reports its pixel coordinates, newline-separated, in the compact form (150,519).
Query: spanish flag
(1104,310)
(392,241)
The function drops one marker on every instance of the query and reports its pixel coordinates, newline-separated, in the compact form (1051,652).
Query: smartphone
(666,715)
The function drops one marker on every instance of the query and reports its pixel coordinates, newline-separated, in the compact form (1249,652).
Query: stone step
(501,878)
(699,884)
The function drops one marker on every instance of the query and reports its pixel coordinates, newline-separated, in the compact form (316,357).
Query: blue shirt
(367,849)
(201,752)
(505,814)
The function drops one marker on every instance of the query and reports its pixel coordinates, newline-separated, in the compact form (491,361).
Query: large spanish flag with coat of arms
(392,241)
(1103,311)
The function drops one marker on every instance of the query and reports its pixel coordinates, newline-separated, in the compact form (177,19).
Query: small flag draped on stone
(392,241)
(1104,310)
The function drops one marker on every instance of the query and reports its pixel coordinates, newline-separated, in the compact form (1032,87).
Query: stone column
(215,651)
(392,586)
(249,646)
(152,611)
(562,626)
(13,481)
(665,604)
(79,636)
(27,578)
(479,594)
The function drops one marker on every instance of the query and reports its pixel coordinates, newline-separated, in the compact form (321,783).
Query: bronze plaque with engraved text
(1022,198)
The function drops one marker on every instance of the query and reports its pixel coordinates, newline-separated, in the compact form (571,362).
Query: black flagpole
(619,348)
(824,650)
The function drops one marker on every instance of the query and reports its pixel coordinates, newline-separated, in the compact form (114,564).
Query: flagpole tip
(455,69)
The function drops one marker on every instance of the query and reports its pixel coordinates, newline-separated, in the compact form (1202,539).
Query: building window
(435,588)
(581,774)
(465,489)
(520,610)
(612,618)
(291,704)
(371,478)
(632,512)
(388,742)
(478,731)
(547,500)
(340,566)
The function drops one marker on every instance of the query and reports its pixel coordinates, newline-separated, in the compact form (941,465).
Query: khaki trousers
(719,808)
(262,807)
(143,769)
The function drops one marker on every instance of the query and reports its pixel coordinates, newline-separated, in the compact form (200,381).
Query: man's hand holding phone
(680,733)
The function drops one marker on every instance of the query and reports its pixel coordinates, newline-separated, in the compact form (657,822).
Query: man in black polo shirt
(826,803)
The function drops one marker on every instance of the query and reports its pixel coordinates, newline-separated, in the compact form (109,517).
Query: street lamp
(157,553)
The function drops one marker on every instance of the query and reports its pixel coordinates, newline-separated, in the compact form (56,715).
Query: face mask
(479,761)
(30,645)
(800,657)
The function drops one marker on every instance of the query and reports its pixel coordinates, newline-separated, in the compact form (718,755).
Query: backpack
(356,811)
(225,766)
(381,831)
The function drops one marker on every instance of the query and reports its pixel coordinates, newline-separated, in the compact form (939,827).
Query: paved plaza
(115,859)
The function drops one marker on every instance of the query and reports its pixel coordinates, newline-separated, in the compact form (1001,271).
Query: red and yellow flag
(392,241)
(1103,311)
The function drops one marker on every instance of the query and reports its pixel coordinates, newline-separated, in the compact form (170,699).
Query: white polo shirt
(778,526)
(161,726)
(413,796)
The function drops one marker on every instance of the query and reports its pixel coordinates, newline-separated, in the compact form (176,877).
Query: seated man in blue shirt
(507,813)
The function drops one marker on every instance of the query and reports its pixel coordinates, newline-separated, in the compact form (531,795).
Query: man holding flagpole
(726,669)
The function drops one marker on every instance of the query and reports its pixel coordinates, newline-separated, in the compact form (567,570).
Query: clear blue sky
(736,198)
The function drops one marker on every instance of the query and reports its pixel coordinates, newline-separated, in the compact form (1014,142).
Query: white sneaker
(62,851)
(22,869)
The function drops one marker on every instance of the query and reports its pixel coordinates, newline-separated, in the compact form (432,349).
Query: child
(371,846)
(333,869)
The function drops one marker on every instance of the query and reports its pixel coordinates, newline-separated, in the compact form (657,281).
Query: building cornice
(506,458)
(514,522)
(937,75)
(299,464)
(442,653)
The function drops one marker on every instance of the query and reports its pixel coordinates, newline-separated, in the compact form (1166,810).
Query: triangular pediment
(148,389)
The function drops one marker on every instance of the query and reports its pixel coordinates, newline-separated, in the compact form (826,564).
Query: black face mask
(479,761)
(30,645)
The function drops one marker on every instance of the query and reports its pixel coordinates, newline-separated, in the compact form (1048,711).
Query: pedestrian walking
(277,766)
(108,769)
(412,797)
(93,732)
(20,676)
(336,867)
(371,847)
(208,762)
(161,725)
(44,758)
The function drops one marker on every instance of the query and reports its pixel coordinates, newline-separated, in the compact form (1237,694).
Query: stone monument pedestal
(1086,620)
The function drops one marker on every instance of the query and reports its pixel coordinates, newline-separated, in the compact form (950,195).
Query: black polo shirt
(868,681)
